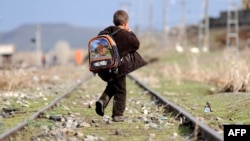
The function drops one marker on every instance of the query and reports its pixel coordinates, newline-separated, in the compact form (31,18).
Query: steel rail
(206,132)
(14,129)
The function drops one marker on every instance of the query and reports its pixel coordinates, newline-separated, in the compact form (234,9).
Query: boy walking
(127,44)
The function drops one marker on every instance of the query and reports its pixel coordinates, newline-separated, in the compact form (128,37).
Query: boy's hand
(128,29)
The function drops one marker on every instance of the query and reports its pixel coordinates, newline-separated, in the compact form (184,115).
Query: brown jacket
(127,44)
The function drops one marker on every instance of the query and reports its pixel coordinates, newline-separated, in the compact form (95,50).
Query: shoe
(99,108)
(119,118)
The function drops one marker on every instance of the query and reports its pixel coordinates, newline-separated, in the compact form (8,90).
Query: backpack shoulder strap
(105,32)
(116,31)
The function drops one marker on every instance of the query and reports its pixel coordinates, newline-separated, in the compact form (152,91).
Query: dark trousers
(116,89)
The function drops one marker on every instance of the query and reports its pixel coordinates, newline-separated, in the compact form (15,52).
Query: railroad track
(201,129)
(8,133)
(71,116)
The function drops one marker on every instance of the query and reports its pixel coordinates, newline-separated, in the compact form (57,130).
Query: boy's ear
(126,24)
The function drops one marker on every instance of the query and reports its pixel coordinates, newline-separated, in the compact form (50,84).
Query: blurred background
(45,33)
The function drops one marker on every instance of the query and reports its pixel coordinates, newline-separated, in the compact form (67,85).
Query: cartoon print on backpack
(99,49)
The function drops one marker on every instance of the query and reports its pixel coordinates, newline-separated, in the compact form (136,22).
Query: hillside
(77,37)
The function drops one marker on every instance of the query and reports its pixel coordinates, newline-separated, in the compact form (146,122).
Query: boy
(127,44)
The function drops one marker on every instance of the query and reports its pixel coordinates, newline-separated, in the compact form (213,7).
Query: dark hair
(120,17)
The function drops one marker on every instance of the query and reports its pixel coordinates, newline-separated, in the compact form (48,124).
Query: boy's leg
(119,102)
(104,99)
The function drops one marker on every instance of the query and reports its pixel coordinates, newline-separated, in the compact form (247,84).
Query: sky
(99,13)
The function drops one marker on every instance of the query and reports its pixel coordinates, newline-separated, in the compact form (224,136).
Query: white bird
(194,50)
(179,48)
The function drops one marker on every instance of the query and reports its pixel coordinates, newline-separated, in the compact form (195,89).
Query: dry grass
(34,77)
(214,68)
(230,75)
(237,77)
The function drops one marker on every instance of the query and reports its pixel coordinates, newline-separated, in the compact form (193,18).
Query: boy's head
(120,17)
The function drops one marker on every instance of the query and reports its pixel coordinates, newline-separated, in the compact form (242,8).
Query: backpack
(103,53)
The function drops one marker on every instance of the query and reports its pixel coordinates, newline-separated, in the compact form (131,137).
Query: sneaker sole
(119,119)
(99,108)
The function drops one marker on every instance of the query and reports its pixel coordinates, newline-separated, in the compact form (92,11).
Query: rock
(84,124)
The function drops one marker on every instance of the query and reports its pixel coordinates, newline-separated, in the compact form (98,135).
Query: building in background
(6,52)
